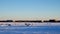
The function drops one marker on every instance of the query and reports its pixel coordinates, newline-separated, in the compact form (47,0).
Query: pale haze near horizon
(29,9)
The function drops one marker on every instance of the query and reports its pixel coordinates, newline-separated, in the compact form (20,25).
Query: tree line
(39,21)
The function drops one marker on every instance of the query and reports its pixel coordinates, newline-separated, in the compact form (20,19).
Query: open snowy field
(29,24)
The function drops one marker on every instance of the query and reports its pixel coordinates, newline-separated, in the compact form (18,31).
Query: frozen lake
(41,28)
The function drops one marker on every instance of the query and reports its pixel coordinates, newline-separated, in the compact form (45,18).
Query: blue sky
(29,9)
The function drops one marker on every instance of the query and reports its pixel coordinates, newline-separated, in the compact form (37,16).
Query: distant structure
(9,24)
(27,24)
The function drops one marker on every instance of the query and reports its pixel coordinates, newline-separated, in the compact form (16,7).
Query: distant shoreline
(39,21)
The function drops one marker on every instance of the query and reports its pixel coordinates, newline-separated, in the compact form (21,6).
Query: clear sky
(29,9)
